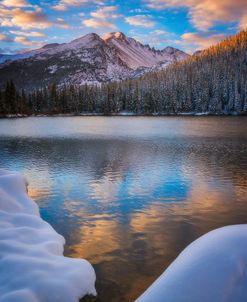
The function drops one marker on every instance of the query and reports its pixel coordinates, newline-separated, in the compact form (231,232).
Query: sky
(189,25)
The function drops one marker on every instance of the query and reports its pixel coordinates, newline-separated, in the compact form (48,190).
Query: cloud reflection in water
(128,201)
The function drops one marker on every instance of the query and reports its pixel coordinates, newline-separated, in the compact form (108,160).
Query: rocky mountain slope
(137,55)
(89,59)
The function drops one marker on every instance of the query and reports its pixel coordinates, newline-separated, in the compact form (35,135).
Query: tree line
(215,81)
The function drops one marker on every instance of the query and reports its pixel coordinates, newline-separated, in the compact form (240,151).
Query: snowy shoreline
(32,265)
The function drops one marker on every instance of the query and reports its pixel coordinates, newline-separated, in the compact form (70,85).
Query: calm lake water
(130,193)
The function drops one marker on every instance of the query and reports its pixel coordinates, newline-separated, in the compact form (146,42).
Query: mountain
(140,71)
(214,81)
(26,54)
(136,55)
(89,59)
(211,82)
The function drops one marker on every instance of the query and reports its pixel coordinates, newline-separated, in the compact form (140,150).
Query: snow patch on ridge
(32,265)
(211,269)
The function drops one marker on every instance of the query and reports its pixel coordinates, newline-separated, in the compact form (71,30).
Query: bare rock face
(137,55)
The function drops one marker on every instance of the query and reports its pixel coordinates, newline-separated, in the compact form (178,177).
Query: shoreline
(126,114)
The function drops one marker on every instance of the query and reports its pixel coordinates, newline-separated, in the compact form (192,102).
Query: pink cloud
(204,14)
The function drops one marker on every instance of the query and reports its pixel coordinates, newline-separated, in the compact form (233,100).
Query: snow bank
(32,265)
(211,269)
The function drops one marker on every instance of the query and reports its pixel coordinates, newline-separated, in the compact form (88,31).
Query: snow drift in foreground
(32,265)
(211,269)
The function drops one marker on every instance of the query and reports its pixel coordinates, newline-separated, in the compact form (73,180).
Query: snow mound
(211,269)
(32,265)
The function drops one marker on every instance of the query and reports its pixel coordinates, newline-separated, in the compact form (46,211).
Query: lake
(130,193)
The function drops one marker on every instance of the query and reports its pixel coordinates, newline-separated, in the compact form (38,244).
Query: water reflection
(130,194)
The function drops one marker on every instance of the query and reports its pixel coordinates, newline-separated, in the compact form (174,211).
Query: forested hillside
(215,81)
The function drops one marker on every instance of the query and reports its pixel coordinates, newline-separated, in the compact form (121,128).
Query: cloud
(138,10)
(63,5)
(106,12)
(5,38)
(204,14)
(158,38)
(28,19)
(59,22)
(101,18)
(95,23)
(140,20)
(25,19)
(160,32)
(196,41)
(23,41)
(15,3)
(35,34)
(243,22)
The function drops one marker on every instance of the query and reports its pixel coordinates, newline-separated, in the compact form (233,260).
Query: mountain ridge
(87,59)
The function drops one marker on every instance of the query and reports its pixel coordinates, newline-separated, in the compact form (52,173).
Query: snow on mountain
(89,59)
